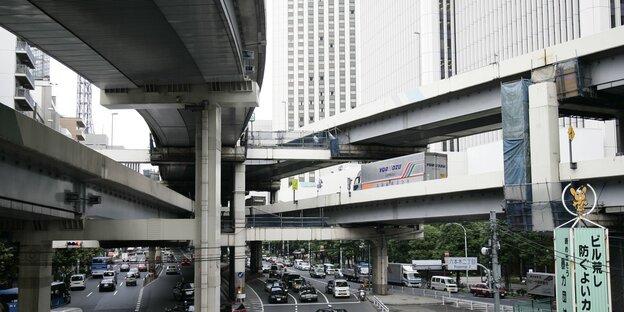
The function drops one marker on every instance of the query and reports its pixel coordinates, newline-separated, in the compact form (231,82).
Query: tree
(8,264)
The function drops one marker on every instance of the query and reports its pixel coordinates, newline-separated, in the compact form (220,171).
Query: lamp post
(112,127)
(465,246)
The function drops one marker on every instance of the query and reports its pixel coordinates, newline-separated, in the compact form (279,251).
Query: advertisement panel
(564,272)
(590,269)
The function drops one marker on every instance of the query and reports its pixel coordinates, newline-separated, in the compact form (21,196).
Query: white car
(171,269)
(341,288)
(305,266)
(77,281)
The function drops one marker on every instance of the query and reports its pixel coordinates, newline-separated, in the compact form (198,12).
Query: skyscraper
(314,58)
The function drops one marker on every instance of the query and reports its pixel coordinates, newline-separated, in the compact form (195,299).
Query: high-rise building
(16,78)
(314,59)
(42,65)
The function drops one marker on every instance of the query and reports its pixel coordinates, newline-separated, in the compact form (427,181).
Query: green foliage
(8,264)
(65,260)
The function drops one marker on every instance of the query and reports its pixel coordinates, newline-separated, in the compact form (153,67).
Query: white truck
(401,170)
(403,274)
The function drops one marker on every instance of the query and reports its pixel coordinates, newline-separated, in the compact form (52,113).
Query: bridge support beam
(151,259)
(208,208)
(379,255)
(544,140)
(35,275)
(240,233)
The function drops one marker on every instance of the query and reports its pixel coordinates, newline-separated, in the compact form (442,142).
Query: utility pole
(496,272)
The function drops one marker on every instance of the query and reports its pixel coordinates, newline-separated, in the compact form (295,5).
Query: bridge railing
(268,220)
(288,139)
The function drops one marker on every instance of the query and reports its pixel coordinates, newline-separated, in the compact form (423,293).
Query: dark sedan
(278,295)
(308,293)
(107,284)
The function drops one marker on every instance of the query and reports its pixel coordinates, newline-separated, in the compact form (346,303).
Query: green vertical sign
(591,263)
(564,274)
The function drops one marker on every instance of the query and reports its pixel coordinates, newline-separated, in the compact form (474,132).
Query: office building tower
(42,65)
(314,59)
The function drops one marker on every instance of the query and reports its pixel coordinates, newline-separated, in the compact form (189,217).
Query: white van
(443,283)
(77,281)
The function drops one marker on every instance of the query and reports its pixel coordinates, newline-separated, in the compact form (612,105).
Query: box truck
(357,273)
(403,274)
(401,170)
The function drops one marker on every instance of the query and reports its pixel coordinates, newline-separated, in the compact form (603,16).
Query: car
(304,266)
(278,294)
(133,258)
(482,289)
(171,269)
(331,309)
(131,279)
(329,288)
(185,262)
(142,267)
(266,267)
(317,272)
(106,284)
(296,284)
(341,288)
(268,284)
(338,274)
(77,281)
(135,271)
(184,291)
(308,293)
(274,271)
(124,267)
(111,275)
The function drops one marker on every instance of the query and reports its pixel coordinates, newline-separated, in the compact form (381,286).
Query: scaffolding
(83,103)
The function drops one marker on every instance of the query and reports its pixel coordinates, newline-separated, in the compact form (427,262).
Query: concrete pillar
(619,136)
(379,255)
(240,230)
(544,138)
(256,256)
(232,274)
(35,276)
(157,256)
(151,259)
(207,211)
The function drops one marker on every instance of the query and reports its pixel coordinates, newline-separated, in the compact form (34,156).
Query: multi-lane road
(156,296)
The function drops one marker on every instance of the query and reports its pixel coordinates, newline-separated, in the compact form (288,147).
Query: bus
(59,296)
(101,264)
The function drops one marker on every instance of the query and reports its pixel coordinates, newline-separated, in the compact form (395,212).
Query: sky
(131,131)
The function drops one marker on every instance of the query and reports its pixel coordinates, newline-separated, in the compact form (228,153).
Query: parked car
(131,279)
(482,289)
(278,294)
(77,281)
(184,291)
(106,284)
(308,293)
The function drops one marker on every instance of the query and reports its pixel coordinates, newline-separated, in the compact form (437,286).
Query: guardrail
(473,305)
(380,305)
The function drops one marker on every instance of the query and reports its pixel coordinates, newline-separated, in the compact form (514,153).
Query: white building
(16,79)
(314,60)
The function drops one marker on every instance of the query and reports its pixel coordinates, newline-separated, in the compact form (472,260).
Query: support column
(544,143)
(151,259)
(240,231)
(619,136)
(35,276)
(157,257)
(256,256)
(207,211)
(379,254)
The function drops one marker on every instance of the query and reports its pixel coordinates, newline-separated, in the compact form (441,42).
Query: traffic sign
(461,263)
(241,274)
(571,133)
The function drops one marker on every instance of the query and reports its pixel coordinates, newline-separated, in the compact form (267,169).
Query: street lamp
(112,128)
(465,246)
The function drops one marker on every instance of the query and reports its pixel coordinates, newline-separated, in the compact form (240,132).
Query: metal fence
(380,305)
(269,220)
(448,299)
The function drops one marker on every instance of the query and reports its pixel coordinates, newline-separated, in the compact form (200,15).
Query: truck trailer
(403,274)
(401,170)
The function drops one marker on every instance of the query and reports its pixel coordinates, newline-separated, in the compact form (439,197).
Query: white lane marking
(293,298)
(138,305)
(115,292)
(310,303)
(320,292)
(89,294)
(259,299)
(121,284)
